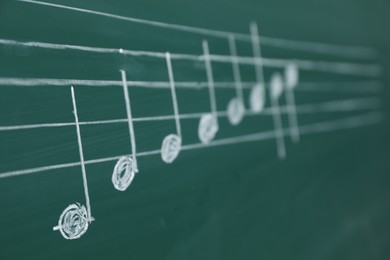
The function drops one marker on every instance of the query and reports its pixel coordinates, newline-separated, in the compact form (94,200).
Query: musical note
(171,144)
(276,90)
(257,95)
(127,166)
(208,125)
(291,78)
(236,107)
(75,219)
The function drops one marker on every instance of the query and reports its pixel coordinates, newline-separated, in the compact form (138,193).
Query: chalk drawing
(361,120)
(127,166)
(208,124)
(343,105)
(236,107)
(171,144)
(257,96)
(357,86)
(276,90)
(337,67)
(74,220)
(124,172)
(235,111)
(330,49)
(291,82)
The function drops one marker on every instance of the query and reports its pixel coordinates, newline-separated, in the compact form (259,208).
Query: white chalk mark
(80,144)
(367,86)
(129,165)
(235,111)
(73,222)
(207,129)
(344,123)
(354,87)
(236,107)
(347,68)
(124,172)
(210,78)
(276,89)
(208,124)
(291,82)
(256,48)
(173,93)
(343,105)
(336,67)
(321,127)
(257,96)
(236,67)
(171,144)
(170,148)
(346,51)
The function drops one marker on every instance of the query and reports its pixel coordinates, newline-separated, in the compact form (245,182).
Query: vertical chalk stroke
(127,166)
(75,219)
(257,95)
(276,90)
(208,124)
(291,82)
(236,107)
(171,144)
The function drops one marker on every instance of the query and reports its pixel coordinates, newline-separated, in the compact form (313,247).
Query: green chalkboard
(194,129)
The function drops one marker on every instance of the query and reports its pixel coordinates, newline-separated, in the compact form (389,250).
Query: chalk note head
(276,86)
(291,75)
(257,98)
(235,111)
(124,172)
(170,148)
(208,128)
(73,222)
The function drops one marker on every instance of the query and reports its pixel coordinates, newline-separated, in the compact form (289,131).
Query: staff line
(328,106)
(323,48)
(348,68)
(369,86)
(321,127)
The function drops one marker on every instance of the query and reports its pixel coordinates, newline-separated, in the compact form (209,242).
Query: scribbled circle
(276,85)
(257,99)
(170,148)
(291,74)
(208,127)
(73,222)
(123,173)
(235,111)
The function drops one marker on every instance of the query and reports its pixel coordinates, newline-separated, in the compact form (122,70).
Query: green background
(328,200)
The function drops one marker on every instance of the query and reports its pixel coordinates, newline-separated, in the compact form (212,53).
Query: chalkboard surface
(194,129)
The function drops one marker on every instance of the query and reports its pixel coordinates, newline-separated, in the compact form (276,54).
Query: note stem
(83,171)
(236,67)
(210,79)
(292,114)
(173,93)
(276,115)
(256,47)
(129,120)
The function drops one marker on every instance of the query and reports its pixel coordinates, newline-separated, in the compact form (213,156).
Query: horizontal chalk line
(347,68)
(367,86)
(328,106)
(331,49)
(322,127)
